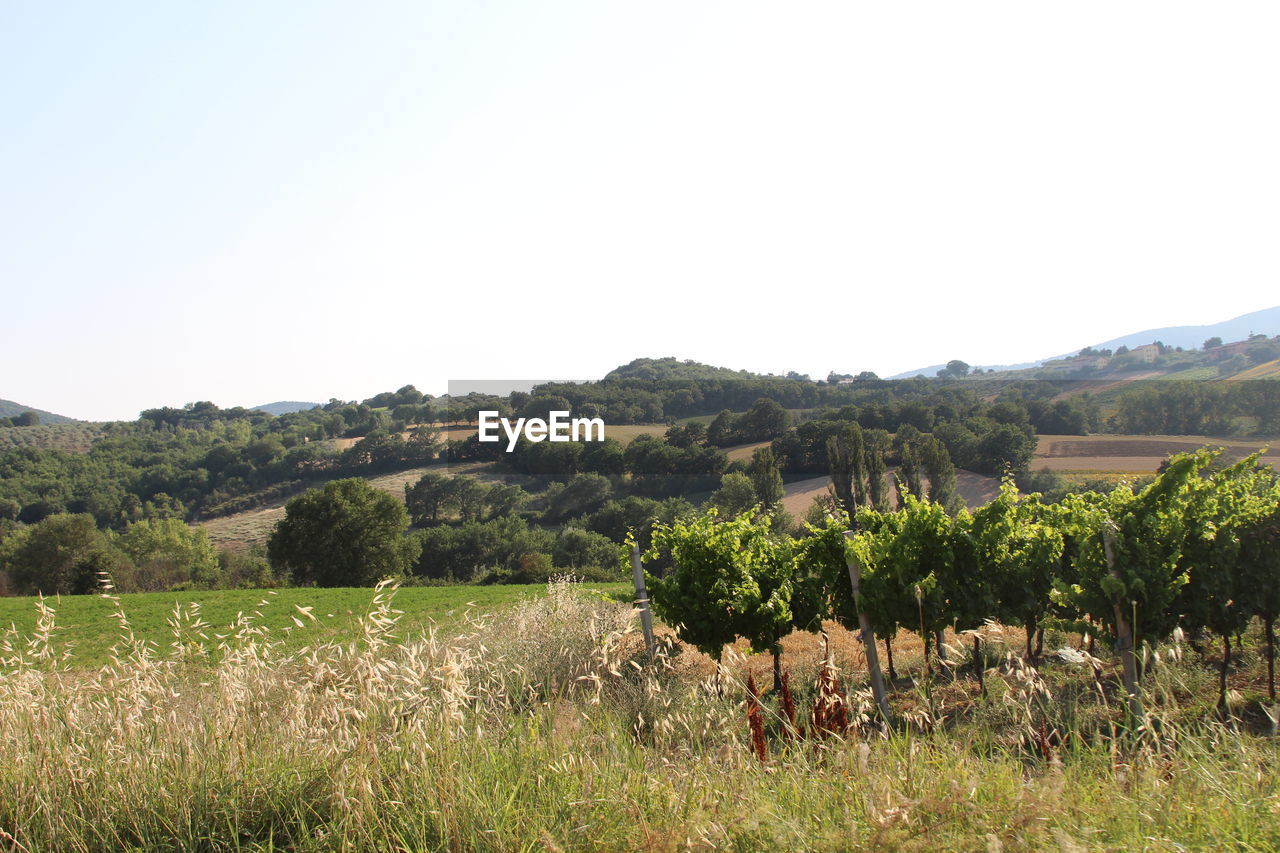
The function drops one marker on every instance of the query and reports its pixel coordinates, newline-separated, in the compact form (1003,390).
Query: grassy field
(548,728)
(87,630)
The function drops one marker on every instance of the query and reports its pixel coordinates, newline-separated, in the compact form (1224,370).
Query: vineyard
(1194,552)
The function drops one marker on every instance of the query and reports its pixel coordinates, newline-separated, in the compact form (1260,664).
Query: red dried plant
(830,711)
(755,720)
(788,705)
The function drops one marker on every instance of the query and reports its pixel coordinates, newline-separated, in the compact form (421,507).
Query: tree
(764,421)
(954,369)
(1260,567)
(765,477)
(877,444)
(736,494)
(166,552)
(1128,559)
(582,549)
(1213,343)
(908,478)
(582,494)
(503,500)
(723,430)
(26,419)
(428,497)
(1007,448)
(61,555)
(940,472)
(346,534)
(846,460)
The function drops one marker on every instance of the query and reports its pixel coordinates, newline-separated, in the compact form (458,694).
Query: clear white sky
(248,201)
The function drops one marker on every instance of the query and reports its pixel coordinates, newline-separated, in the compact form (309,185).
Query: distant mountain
(285,407)
(1264,322)
(9,409)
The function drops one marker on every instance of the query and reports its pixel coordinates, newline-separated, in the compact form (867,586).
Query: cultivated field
(547,727)
(1100,454)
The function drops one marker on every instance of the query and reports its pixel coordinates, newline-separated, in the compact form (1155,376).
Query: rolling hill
(1264,322)
(9,409)
(285,407)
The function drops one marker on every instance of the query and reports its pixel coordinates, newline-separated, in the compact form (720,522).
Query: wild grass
(548,727)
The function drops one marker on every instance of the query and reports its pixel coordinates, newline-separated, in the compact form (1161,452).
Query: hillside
(1264,322)
(285,407)
(669,368)
(9,409)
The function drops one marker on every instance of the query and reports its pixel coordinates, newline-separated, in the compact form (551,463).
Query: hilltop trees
(346,534)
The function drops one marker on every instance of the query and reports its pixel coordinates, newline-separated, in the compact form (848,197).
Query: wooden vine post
(642,600)
(868,635)
(1124,637)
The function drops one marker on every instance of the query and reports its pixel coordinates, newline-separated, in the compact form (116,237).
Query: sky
(246,202)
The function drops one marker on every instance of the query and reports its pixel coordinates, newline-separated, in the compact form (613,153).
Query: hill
(285,407)
(668,368)
(9,409)
(1264,322)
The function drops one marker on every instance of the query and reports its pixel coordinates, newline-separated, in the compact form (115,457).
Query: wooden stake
(868,635)
(642,600)
(1124,634)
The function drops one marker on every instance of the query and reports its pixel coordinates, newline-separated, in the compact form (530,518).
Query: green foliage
(1149,531)
(736,495)
(472,549)
(1018,549)
(167,552)
(581,549)
(765,478)
(909,556)
(346,534)
(729,579)
(584,493)
(62,554)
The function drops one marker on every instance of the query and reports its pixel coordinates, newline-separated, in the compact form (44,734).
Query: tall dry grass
(548,726)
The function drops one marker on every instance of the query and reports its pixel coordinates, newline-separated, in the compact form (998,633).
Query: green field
(86,629)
